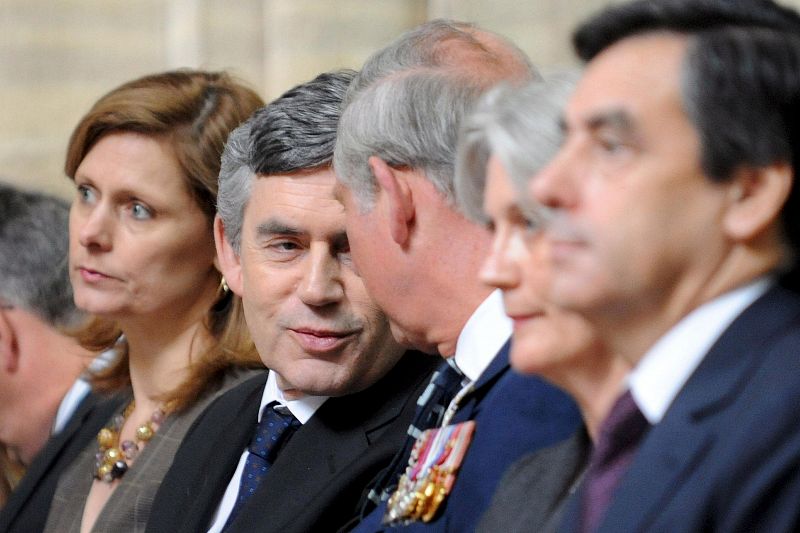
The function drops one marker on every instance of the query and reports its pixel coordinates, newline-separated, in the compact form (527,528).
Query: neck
(637,327)
(59,362)
(453,286)
(162,346)
(453,324)
(594,387)
(160,361)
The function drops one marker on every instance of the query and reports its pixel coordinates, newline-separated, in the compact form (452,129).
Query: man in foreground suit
(419,257)
(41,393)
(674,203)
(333,364)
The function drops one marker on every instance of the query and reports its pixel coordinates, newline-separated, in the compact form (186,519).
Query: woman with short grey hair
(511,135)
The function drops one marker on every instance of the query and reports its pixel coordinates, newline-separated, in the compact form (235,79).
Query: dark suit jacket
(514,415)
(318,478)
(29,504)
(532,493)
(726,456)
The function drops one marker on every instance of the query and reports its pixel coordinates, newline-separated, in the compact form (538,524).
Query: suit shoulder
(409,376)
(231,402)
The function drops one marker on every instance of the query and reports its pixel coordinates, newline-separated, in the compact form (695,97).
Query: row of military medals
(430,474)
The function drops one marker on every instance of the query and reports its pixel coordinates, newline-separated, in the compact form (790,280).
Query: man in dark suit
(27,508)
(419,257)
(41,393)
(674,221)
(339,388)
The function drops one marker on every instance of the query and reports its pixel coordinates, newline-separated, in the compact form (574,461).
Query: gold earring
(224,285)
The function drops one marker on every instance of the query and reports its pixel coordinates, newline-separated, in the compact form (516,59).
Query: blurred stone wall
(58,56)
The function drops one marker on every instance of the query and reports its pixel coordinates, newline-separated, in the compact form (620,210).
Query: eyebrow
(617,119)
(124,193)
(274,226)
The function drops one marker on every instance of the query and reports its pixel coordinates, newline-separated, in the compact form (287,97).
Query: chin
(315,381)
(527,361)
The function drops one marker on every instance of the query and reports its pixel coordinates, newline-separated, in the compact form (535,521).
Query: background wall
(58,57)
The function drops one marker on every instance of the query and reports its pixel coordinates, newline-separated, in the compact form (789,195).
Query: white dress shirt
(78,391)
(486,331)
(667,366)
(71,400)
(302,409)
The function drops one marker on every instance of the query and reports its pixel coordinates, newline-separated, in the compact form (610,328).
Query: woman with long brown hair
(144,161)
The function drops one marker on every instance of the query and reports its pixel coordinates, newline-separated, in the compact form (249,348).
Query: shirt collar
(302,409)
(667,366)
(486,331)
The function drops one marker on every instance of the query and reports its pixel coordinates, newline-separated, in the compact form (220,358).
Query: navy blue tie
(431,406)
(276,426)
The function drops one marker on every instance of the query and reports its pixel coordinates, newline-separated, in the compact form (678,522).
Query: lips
(316,341)
(520,319)
(93,276)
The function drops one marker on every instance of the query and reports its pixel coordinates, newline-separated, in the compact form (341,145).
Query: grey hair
(408,121)
(235,183)
(407,102)
(295,132)
(519,126)
(34,248)
(424,46)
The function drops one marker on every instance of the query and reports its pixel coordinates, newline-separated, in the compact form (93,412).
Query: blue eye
(140,212)
(85,194)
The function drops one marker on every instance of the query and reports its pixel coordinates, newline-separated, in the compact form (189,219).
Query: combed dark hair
(297,131)
(681,16)
(34,244)
(741,78)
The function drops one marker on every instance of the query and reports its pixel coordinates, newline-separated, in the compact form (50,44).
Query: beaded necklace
(112,459)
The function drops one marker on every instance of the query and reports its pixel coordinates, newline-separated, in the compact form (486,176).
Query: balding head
(406,104)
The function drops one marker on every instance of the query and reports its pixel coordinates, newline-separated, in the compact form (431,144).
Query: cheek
(365,265)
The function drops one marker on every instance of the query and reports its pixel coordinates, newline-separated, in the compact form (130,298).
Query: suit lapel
(674,448)
(314,458)
(234,433)
(470,403)
(324,452)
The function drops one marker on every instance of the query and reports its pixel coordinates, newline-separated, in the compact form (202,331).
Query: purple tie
(616,445)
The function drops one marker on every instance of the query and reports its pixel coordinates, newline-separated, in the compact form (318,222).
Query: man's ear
(227,258)
(399,198)
(9,347)
(757,196)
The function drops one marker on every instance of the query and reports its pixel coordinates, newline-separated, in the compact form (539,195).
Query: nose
(322,283)
(498,268)
(554,185)
(94,227)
